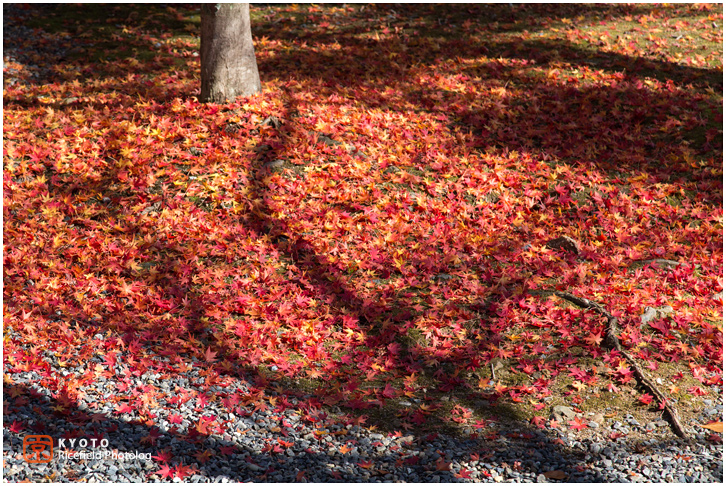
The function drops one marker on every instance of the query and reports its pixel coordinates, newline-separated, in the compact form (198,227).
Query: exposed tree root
(611,341)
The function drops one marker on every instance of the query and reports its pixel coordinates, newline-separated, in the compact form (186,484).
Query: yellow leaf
(716,427)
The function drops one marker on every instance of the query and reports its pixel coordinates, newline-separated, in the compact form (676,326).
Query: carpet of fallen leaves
(369,229)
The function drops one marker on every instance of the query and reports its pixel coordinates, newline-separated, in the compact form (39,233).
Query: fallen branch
(611,341)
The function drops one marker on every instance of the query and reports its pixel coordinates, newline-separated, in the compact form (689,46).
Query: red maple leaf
(661,326)
(389,391)
(594,339)
(202,401)
(181,471)
(623,373)
(164,472)
(163,456)
(412,460)
(154,434)
(612,388)
(577,424)
(124,408)
(227,450)
(539,421)
(175,418)
(210,356)
(16,426)
(645,399)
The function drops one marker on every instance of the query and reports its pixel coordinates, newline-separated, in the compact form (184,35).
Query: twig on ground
(611,341)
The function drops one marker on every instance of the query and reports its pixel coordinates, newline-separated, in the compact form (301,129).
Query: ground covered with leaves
(371,235)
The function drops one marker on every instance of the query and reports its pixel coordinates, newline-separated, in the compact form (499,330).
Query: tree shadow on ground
(543,115)
(363,60)
(29,411)
(72,37)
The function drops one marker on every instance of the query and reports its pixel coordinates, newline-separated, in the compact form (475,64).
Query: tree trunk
(229,67)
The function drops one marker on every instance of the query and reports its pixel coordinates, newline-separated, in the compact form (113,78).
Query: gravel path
(275,438)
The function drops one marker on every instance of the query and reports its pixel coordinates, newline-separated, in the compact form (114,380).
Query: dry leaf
(716,427)
(555,474)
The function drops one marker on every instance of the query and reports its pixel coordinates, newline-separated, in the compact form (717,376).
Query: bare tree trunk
(229,67)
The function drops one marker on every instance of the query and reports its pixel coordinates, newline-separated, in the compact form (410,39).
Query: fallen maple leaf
(443,465)
(210,356)
(646,399)
(175,418)
(203,456)
(577,424)
(165,472)
(594,339)
(154,434)
(715,426)
(181,471)
(16,426)
(539,421)
(227,450)
(98,418)
(124,408)
(388,391)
